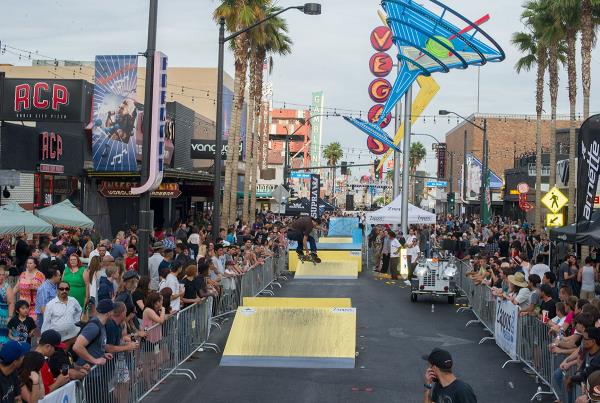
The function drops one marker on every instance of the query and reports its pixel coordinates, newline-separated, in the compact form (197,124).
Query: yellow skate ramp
(335,239)
(292,338)
(276,302)
(331,270)
(346,256)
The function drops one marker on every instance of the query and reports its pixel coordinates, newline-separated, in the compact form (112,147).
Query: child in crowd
(21,326)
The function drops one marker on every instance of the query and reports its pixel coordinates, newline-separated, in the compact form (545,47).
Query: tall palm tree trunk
(572,78)
(539,103)
(248,158)
(241,67)
(259,128)
(587,39)
(553,73)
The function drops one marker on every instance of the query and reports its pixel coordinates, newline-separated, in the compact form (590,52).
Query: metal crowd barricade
(191,331)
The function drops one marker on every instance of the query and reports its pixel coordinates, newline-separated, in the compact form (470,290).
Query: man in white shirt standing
(394,254)
(412,252)
(62,312)
(153,263)
(540,267)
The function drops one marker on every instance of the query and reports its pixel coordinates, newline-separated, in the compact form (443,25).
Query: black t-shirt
(113,333)
(503,246)
(45,264)
(9,387)
(138,296)
(457,392)
(21,329)
(192,288)
(126,298)
(58,359)
(549,306)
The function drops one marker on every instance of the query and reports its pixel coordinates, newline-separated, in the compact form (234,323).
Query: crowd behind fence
(131,376)
(531,335)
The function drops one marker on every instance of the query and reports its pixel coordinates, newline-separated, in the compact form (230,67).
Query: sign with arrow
(555,220)
(554,200)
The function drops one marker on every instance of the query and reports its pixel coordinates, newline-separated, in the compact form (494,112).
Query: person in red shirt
(48,341)
(131,261)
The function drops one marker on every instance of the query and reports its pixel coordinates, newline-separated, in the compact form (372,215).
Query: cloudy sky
(330,53)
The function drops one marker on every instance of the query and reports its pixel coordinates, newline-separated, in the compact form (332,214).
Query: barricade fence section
(130,376)
(524,338)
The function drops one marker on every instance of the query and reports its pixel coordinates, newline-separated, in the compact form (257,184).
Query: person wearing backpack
(91,343)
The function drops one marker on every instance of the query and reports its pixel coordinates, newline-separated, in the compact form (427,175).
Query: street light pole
(484,169)
(309,9)
(146,219)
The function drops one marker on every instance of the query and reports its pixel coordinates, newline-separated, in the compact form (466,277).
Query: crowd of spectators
(79,300)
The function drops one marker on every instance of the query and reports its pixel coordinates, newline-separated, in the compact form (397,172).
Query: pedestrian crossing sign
(555,220)
(554,200)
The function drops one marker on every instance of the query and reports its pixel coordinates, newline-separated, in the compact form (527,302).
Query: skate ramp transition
(292,337)
(329,254)
(327,270)
(278,302)
(335,239)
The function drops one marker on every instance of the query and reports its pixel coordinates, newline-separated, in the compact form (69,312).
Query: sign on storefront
(123,189)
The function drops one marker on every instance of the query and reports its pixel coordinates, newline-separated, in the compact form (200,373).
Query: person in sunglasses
(62,313)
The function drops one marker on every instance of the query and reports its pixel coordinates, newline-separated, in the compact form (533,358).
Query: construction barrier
(131,376)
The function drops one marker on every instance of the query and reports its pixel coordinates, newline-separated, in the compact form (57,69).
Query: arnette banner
(28,99)
(505,329)
(123,189)
(587,171)
(115,114)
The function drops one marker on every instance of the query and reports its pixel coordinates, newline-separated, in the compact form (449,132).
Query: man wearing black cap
(300,230)
(49,340)
(441,385)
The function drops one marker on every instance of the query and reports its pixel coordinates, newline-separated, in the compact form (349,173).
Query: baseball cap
(105,306)
(12,351)
(593,382)
(51,337)
(440,358)
(129,275)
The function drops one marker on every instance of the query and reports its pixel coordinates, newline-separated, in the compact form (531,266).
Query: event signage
(505,328)
(115,114)
(28,99)
(205,149)
(588,154)
(555,220)
(300,175)
(554,200)
(315,189)
(440,150)
(123,189)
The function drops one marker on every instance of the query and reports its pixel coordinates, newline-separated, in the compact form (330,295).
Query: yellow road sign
(554,200)
(555,220)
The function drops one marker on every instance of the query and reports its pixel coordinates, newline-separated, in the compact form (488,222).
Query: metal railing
(131,376)
(532,338)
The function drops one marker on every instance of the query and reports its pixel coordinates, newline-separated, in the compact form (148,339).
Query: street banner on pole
(115,114)
(588,153)
(505,328)
(315,189)
(316,127)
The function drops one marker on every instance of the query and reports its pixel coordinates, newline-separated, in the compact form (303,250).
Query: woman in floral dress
(29,282)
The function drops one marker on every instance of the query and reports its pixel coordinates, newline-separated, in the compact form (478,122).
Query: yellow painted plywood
(293,332)
(327,270)
(297,302)
(329,256)
(334,239)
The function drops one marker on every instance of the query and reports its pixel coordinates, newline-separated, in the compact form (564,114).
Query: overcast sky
(330,53)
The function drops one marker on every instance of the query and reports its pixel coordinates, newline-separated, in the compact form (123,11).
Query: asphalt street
(392,335)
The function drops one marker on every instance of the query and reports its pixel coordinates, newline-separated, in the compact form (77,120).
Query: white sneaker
(407,282)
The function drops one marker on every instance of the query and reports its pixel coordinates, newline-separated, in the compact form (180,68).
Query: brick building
(509,136)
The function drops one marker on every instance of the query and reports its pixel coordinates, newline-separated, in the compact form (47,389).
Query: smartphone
(64,369)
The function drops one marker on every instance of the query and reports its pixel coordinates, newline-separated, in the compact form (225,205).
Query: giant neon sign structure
(428,42)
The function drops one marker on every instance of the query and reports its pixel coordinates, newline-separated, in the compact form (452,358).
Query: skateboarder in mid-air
(299,231)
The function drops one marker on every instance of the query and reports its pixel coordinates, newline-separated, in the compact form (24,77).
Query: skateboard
(309,257)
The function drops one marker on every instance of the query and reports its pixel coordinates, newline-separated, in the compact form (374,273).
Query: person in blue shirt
(46,292)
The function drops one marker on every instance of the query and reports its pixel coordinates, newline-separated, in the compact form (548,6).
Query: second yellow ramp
(276,302)
(330,270)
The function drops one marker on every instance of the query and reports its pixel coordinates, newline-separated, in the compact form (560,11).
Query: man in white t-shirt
(540,267)
(412,252)
(394,254)
(172,282)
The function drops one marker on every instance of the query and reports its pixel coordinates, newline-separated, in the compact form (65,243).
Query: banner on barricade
(505,329)
(65,394)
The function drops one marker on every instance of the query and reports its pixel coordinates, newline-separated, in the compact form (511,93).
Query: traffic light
(344,168)
(293,193)
(450,198)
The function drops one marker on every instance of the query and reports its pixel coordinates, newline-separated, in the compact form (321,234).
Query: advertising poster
(474,168)
(315,189)
(588,157)
(115,114)
(316,127)
(505,328)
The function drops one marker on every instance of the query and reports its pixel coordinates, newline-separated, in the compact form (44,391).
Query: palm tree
(237,14)
(553,36)
(569,10)
(333,153)
(535,54)
(416,155)
(271,39)
(589,24)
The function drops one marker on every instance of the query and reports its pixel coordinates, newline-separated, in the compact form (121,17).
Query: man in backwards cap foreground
(11,357)
(441,385)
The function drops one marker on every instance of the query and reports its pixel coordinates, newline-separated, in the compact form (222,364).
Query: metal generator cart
(435,277)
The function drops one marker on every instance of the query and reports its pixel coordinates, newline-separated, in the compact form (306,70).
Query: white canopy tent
(391,214)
